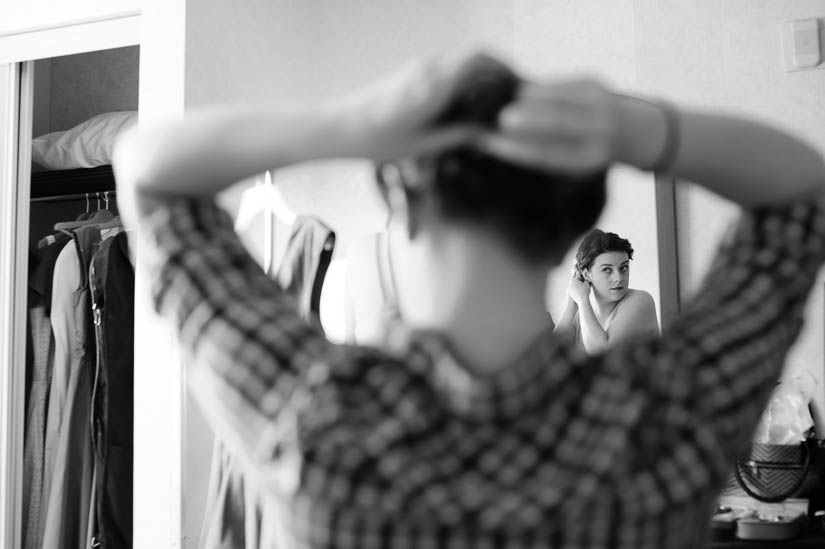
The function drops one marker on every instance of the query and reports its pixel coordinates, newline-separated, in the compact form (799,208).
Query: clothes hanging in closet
(42,266)
(67,480)
(78,446)
(112,284)
(236,508)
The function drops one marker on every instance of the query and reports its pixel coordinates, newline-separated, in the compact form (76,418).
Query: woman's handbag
(775,472)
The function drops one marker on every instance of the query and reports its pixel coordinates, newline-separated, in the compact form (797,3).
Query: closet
(77,488)
(49,29)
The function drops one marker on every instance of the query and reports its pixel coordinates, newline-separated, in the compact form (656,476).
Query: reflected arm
(594,337)
(568,314)
(635,317)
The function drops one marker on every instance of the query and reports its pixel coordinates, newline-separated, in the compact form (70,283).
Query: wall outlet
(803,45)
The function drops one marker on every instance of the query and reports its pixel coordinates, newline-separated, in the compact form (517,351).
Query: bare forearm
(388,119)
(742,160)
(568,313)
(593,335)
(210,150)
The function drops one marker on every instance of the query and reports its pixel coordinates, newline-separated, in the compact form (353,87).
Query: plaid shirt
(363,449)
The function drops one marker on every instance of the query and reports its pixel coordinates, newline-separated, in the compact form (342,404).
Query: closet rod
(90,196)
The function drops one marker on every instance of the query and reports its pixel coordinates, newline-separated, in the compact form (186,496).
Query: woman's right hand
(577,289)
(210,149)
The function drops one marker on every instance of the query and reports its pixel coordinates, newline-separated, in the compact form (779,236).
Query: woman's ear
(586,274)
(403,208)
(396,200)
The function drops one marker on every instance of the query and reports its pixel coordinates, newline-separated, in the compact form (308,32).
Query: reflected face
(610,275)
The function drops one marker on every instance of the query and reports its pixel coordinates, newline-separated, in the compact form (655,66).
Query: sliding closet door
(14,270)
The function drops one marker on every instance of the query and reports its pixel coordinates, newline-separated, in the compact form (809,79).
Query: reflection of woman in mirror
(600,307)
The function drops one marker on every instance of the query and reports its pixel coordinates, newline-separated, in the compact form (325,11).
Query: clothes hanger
(100,216)
(85,215)
(114,221)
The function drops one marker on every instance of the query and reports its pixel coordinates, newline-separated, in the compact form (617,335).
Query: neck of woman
(603,307)
(492,304)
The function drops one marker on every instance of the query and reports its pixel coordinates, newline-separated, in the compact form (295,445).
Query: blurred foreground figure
(487,429)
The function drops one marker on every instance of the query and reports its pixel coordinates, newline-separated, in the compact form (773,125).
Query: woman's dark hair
(539,213)
(598,242)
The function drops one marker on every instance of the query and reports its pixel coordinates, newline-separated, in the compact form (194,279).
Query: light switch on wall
(802,44)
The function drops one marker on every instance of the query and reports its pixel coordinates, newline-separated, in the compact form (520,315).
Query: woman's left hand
(570,126)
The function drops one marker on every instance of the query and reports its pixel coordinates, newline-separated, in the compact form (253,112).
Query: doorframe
(19,50)
(12,309)
(70,37)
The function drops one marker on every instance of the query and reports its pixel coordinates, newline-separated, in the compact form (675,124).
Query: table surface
(812,536)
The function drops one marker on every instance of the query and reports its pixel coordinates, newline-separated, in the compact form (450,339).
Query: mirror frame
(667,239)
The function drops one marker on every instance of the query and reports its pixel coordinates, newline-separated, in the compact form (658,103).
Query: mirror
(693,54)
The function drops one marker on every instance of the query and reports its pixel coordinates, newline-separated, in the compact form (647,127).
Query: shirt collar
(505,393)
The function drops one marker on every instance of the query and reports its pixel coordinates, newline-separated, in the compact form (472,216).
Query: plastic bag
(787,418)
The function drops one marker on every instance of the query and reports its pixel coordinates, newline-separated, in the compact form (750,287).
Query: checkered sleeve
(253,359)
(717,364)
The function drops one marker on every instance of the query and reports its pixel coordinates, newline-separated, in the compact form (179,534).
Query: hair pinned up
(539,213)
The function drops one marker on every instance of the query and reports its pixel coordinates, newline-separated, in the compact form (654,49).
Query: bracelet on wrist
(670,147)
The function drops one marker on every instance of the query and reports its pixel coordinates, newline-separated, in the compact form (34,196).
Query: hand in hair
(578,289)
(581,127)
(428,106)
(560,127)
